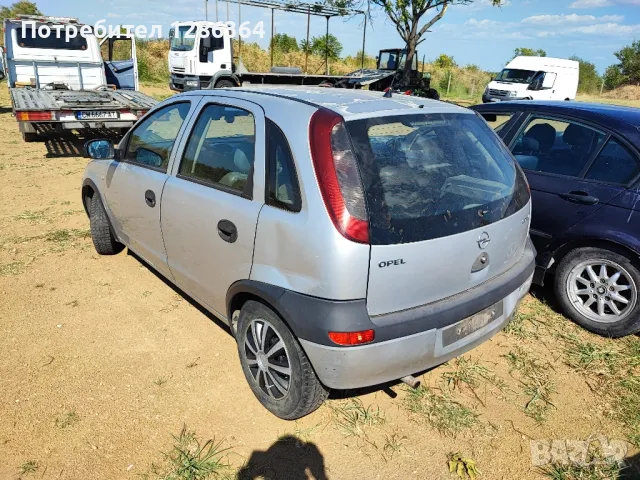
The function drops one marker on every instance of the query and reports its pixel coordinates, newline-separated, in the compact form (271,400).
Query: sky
(475,33)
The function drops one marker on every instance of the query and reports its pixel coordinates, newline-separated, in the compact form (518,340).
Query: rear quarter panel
(617,221)
(303,252)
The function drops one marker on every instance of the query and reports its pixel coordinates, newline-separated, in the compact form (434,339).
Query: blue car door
(556,154)
(120,61)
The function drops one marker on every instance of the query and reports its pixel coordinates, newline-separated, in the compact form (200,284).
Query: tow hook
(412,381)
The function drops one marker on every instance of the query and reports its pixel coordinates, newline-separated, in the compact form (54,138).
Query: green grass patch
(439,411)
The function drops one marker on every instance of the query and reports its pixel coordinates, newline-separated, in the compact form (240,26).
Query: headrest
(544,134)
(241,161)
(577,135)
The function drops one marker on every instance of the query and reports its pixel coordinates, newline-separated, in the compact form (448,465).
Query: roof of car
(348,102)
(627,115)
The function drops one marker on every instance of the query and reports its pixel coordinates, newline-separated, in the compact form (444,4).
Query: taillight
(338,175)
(349,339)
(35,116)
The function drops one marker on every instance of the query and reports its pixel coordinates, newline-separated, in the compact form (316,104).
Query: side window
(150,144)
(221,150)
(283,190)
(614,164)
(497,120)
(556,146)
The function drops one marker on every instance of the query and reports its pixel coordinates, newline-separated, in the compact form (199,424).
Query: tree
(319,46)
(23,7)
(590,81)
(628,70)
(613,77)
(408,15)
(529,52)
(445,61)
(284,43)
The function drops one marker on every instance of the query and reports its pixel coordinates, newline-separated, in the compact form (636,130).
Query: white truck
(535,78)
(201,57)
(61,82)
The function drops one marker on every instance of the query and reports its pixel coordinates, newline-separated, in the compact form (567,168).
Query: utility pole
(206,10)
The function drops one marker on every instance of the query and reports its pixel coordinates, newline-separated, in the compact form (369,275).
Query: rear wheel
(101,234)
(274,364)
(225,84)
(598,289)
(30,137)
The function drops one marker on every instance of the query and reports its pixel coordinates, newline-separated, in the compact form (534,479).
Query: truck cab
(535,78)
(199,52)
(395,59)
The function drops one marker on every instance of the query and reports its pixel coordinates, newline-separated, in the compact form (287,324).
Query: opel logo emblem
(484,240)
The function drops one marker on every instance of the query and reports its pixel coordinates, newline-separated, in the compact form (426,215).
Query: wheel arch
(246,290)
(89,189)
(561,252)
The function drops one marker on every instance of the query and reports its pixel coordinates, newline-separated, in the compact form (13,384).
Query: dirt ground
(102,364)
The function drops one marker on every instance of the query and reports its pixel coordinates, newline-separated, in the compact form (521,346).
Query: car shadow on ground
(289,458)
(183,294)
(71,144)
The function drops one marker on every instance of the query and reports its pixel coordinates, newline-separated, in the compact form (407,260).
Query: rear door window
(614,164)
(432,175)
(561,147)
(221,150)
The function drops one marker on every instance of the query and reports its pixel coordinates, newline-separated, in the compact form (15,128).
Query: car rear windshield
(428,176)
(28,37)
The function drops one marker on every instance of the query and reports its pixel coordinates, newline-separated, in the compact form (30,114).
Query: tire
(103,240)
(433,94)
(598,287)
(29,137)
(225,84)
(300,392)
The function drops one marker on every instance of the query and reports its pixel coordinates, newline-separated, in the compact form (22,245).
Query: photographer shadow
(288,459)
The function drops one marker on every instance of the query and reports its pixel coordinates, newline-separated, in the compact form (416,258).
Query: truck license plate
(97,115)
(472,324)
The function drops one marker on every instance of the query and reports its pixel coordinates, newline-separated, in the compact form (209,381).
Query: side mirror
(99,149)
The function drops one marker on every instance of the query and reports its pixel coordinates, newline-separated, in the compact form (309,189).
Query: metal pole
(272,28)
(227,10)
(602,87)
(238,28)
(306,52)
(364,38)
(206,10)
(326,49)
(216,11)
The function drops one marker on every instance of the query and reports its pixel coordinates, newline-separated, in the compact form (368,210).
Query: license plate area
(97,115)
(466,327)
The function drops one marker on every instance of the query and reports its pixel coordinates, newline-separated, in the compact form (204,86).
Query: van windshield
(429,176)
(513,75)
(183,38)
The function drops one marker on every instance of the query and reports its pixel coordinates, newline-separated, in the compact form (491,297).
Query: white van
(535,78)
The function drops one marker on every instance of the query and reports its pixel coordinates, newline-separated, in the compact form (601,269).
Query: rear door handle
(150,198)
(227,231)
(578,196)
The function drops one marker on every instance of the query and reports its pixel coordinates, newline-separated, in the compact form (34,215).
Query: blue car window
(555,146)
(614,164)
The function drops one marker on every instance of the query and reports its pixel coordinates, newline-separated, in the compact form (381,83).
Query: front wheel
(598,289)
(274,364)
(225,84)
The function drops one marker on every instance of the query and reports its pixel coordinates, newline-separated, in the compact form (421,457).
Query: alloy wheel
(602,290)
(267,359)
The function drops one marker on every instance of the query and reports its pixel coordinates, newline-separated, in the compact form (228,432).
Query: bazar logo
(595,450)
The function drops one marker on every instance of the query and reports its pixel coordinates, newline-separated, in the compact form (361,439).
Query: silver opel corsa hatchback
(346,238)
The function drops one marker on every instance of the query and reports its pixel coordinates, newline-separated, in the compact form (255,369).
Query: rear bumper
(356,367)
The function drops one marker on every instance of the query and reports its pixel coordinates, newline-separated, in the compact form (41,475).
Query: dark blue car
(583,165)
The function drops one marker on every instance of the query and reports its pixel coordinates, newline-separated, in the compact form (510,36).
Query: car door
(134,183)
(555,153)
(210,206)
(120,61)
